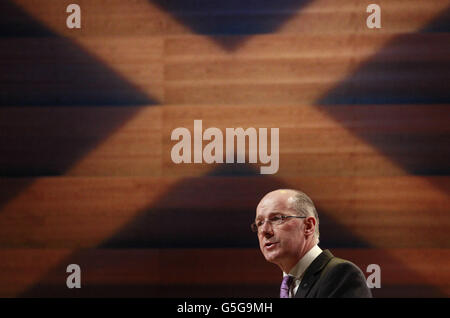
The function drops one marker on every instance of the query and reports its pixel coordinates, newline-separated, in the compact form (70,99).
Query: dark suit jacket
(329,276)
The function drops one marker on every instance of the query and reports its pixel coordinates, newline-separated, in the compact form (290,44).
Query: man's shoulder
(341,266)
(342,278)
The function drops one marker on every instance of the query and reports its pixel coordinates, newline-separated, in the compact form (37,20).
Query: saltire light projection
(86,118)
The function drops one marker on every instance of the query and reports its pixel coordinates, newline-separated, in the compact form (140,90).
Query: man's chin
(271,257)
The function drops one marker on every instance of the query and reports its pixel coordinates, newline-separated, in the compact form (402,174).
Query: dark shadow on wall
(201,214)
(188,215)
(412,69)
(51,99)
(223,19)
(41,68)
(440,23)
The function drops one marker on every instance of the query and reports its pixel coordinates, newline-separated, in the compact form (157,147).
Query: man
(288,231)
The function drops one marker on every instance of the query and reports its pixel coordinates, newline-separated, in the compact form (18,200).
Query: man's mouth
(270,245)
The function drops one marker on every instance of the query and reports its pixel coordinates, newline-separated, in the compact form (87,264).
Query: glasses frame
(278,218)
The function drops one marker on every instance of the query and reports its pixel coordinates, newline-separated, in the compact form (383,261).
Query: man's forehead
(272,203)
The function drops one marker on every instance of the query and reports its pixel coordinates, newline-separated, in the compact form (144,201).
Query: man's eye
(275,218)
(259,223)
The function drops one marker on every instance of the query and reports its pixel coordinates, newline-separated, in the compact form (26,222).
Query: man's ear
(310,225)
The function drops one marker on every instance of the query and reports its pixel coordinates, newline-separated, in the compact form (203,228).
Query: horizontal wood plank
(136,141)
(204,272)
(140,212)
(138,17)
(406,47)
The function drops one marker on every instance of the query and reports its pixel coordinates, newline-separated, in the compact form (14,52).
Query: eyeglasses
(274,220)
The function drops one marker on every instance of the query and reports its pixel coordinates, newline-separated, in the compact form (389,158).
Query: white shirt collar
(299,269)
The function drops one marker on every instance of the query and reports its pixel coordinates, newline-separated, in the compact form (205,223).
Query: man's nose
(267,229)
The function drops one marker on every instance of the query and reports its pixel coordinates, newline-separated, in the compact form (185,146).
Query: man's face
(280,244)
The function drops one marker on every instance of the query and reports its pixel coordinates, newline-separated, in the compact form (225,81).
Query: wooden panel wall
(86,118)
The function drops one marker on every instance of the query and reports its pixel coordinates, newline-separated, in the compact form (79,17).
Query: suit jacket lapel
(311,273)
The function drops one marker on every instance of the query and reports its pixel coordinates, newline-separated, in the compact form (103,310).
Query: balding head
(295,201)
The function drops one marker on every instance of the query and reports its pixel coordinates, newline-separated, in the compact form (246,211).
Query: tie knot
(288,279)
(285,285)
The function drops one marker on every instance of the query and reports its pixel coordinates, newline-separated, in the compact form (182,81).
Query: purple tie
(285,284)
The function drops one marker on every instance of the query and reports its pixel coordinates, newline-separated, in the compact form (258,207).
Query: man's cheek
(261,247)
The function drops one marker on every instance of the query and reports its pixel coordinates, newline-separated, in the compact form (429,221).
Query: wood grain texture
(86,118)
(142,17)
(205,272)
(175,212)
(314,140)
